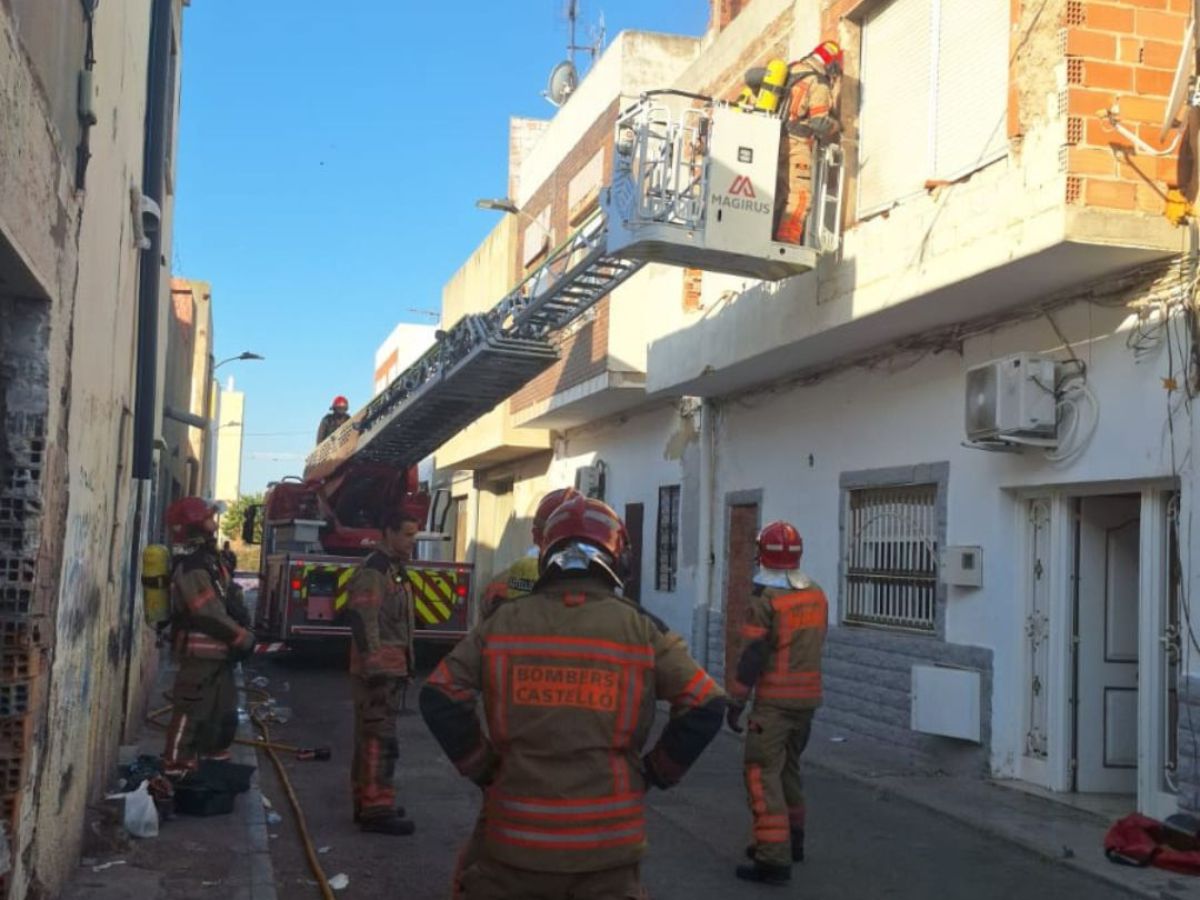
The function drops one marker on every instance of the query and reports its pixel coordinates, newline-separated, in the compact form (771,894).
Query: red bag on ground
(1138,840)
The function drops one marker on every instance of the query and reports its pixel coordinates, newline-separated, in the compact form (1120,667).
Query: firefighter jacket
(810,103)
(381,617)
(570,676)
(330,423)
(784,632)
(515,581)
(204,625)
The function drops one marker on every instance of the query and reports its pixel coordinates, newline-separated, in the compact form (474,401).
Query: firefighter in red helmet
(809,119)
(519,578)
(209,636)
(569,676)
(780,663)
(338,415)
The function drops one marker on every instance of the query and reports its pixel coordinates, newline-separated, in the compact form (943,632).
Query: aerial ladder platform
(694,184)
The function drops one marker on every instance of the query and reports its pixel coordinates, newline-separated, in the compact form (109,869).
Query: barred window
(667,552)
(891,557)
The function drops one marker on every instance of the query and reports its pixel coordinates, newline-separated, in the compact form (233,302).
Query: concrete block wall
(1120,55)
(868,682)
(1188,769)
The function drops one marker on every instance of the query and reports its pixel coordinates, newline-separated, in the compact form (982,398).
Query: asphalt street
(861,843)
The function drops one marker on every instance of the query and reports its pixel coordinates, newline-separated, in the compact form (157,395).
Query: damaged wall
(72,649)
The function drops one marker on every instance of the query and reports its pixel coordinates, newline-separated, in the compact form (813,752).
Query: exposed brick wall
(584,356)
(554,190)
(693,280)
(771,42)
(1120,54)
(722,12)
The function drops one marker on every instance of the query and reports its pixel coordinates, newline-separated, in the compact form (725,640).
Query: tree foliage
(231,521)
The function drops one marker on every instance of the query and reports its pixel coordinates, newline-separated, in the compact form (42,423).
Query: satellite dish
(563,81)
(1183,69)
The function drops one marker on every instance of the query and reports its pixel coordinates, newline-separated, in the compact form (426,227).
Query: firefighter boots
(765,873)
(393,824)
(797,846)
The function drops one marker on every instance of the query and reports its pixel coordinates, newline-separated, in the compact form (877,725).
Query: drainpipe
(150,272)
(154,149)
(704,575)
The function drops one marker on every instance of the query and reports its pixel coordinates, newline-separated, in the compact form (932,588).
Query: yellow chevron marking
(424,613)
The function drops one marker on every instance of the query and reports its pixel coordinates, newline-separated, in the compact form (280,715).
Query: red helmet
(186,518)
(780,546)
(830,53)
(585,520)
(340,403)
(549,504)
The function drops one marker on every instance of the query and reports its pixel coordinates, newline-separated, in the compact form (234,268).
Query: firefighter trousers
(372,774)
(793,188)
(204,720)
(487,879)
(775,739)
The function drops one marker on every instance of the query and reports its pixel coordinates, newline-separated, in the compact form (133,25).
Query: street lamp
(245,354)
(505,205)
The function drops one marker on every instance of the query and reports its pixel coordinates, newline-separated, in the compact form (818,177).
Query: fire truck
(694,182)
(316,530)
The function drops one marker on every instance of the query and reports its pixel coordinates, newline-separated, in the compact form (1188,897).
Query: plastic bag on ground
(141,815)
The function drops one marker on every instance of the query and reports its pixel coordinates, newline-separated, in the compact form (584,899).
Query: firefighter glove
(733,717)
(653,778)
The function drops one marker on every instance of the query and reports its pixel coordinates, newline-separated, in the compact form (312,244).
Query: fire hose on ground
(272,749)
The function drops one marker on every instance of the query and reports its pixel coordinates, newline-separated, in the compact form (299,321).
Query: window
(890,553)
(934,79)
(667,554)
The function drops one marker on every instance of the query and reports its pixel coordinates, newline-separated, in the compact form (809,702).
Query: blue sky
(330,155)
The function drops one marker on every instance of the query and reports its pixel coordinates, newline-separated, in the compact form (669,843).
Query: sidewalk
(225,857)
(1062,834)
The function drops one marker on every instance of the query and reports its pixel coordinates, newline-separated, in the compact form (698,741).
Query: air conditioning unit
(1012,397)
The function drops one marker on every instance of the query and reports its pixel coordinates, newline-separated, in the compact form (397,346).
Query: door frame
(1056,771)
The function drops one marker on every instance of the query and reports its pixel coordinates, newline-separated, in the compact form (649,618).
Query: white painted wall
(635,61)
(409,341)
(642,453)
(864,420)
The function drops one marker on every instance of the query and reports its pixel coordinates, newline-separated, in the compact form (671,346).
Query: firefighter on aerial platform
(210,635)
(338,415)
(381,655)
(784,631)
(569,675)
(518,579)
(805,93)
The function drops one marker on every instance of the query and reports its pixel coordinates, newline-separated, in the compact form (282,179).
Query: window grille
(667,553)
(891,555)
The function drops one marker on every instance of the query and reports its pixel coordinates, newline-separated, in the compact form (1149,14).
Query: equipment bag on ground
(1138,840)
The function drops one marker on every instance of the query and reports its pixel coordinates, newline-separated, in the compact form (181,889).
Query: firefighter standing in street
(519,578)
(807,99)
(514,582)
(570,675)
(338,415)
(781,663)
(381,624)
(209,637)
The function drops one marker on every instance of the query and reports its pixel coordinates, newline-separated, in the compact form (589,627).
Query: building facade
(231,425)
(997,608)
(402,348)
(86,196)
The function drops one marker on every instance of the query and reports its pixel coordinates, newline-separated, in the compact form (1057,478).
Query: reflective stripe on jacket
(784,633)
(569,677)
(203,626)
(381,617)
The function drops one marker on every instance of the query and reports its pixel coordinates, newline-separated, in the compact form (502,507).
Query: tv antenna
(564,78)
